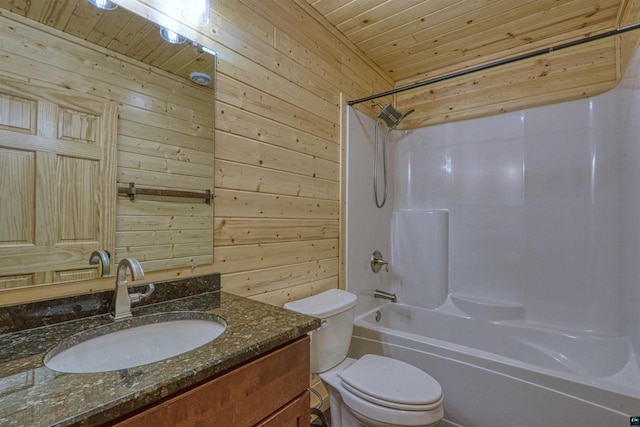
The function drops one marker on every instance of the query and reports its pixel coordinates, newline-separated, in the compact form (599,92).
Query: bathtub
(507,372)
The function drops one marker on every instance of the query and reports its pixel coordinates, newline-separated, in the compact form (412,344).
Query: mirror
(98,76)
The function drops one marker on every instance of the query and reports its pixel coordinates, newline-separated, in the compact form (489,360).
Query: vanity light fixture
(104,4)
(196,12)
(171,36)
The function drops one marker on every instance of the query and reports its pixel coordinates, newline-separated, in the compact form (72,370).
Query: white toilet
(373,391)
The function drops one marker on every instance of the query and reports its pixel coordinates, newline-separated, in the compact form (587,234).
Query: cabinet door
(57,183)
(240,398)
(296,413)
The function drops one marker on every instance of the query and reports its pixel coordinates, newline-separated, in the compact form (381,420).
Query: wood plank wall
(277,164)
(278,136)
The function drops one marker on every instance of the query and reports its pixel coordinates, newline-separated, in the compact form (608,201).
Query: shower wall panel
(543,206)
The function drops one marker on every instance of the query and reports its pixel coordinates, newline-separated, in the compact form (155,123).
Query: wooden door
(57,183)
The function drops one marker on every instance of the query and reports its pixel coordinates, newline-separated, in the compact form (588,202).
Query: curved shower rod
(498,63)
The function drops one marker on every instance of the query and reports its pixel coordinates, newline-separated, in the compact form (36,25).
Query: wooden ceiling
(118,30)
(411,39)
(417,40)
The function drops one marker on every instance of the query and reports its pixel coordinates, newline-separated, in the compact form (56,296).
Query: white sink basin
(134,342)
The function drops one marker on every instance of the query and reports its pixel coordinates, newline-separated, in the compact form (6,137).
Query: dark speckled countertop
(33,395)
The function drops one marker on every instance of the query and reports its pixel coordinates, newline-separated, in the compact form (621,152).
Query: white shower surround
(544,208)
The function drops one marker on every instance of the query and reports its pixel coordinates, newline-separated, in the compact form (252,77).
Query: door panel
(57,183)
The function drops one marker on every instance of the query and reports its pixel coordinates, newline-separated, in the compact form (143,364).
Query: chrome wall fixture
(377,261)
(392,118)
(384,295)
(171,36)
(200,78)
(102,258)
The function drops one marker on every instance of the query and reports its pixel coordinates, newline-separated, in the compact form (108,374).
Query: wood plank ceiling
(410,39)
(119,30)
(416,40)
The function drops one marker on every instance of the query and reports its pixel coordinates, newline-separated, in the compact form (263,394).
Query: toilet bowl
(373,391)
(384,400)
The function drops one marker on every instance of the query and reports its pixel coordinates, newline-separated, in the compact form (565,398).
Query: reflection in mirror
(92,100)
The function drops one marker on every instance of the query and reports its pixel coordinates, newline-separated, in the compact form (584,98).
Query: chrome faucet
(122,300)
(101,257)
(385,295)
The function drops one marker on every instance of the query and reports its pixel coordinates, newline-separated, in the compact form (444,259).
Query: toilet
(373,391)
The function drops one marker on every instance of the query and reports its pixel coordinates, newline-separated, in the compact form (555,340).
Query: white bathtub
(508,372)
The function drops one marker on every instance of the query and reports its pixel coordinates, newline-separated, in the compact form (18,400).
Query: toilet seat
(392,383)
(392,405)
(378,415)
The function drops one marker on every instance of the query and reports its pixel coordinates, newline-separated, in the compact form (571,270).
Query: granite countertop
(33,395)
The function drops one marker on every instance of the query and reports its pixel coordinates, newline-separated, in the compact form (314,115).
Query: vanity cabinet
(268,391)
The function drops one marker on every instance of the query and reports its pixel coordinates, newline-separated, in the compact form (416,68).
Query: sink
(134,342)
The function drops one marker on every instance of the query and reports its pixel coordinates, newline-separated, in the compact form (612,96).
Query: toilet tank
(330,342)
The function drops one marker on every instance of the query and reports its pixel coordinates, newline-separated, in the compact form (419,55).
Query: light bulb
(196,12)
(171,36)
(104,4)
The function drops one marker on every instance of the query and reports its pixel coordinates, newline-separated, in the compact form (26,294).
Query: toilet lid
(392,383)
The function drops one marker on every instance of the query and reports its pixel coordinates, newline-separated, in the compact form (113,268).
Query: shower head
(391,116)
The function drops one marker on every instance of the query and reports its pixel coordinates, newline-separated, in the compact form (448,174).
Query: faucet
(385,295)
(122,299)
(101,257)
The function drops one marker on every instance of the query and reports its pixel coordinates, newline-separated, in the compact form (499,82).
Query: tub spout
(385,295)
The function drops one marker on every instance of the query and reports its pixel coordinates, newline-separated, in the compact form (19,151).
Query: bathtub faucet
(385,295)
(377,261)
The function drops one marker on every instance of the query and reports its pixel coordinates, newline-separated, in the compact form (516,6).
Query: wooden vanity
(270,390)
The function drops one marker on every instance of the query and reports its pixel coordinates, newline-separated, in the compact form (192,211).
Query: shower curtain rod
(498,63)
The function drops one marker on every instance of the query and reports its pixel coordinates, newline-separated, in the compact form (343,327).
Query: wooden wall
(278,149)
(278,143)
(277,170)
